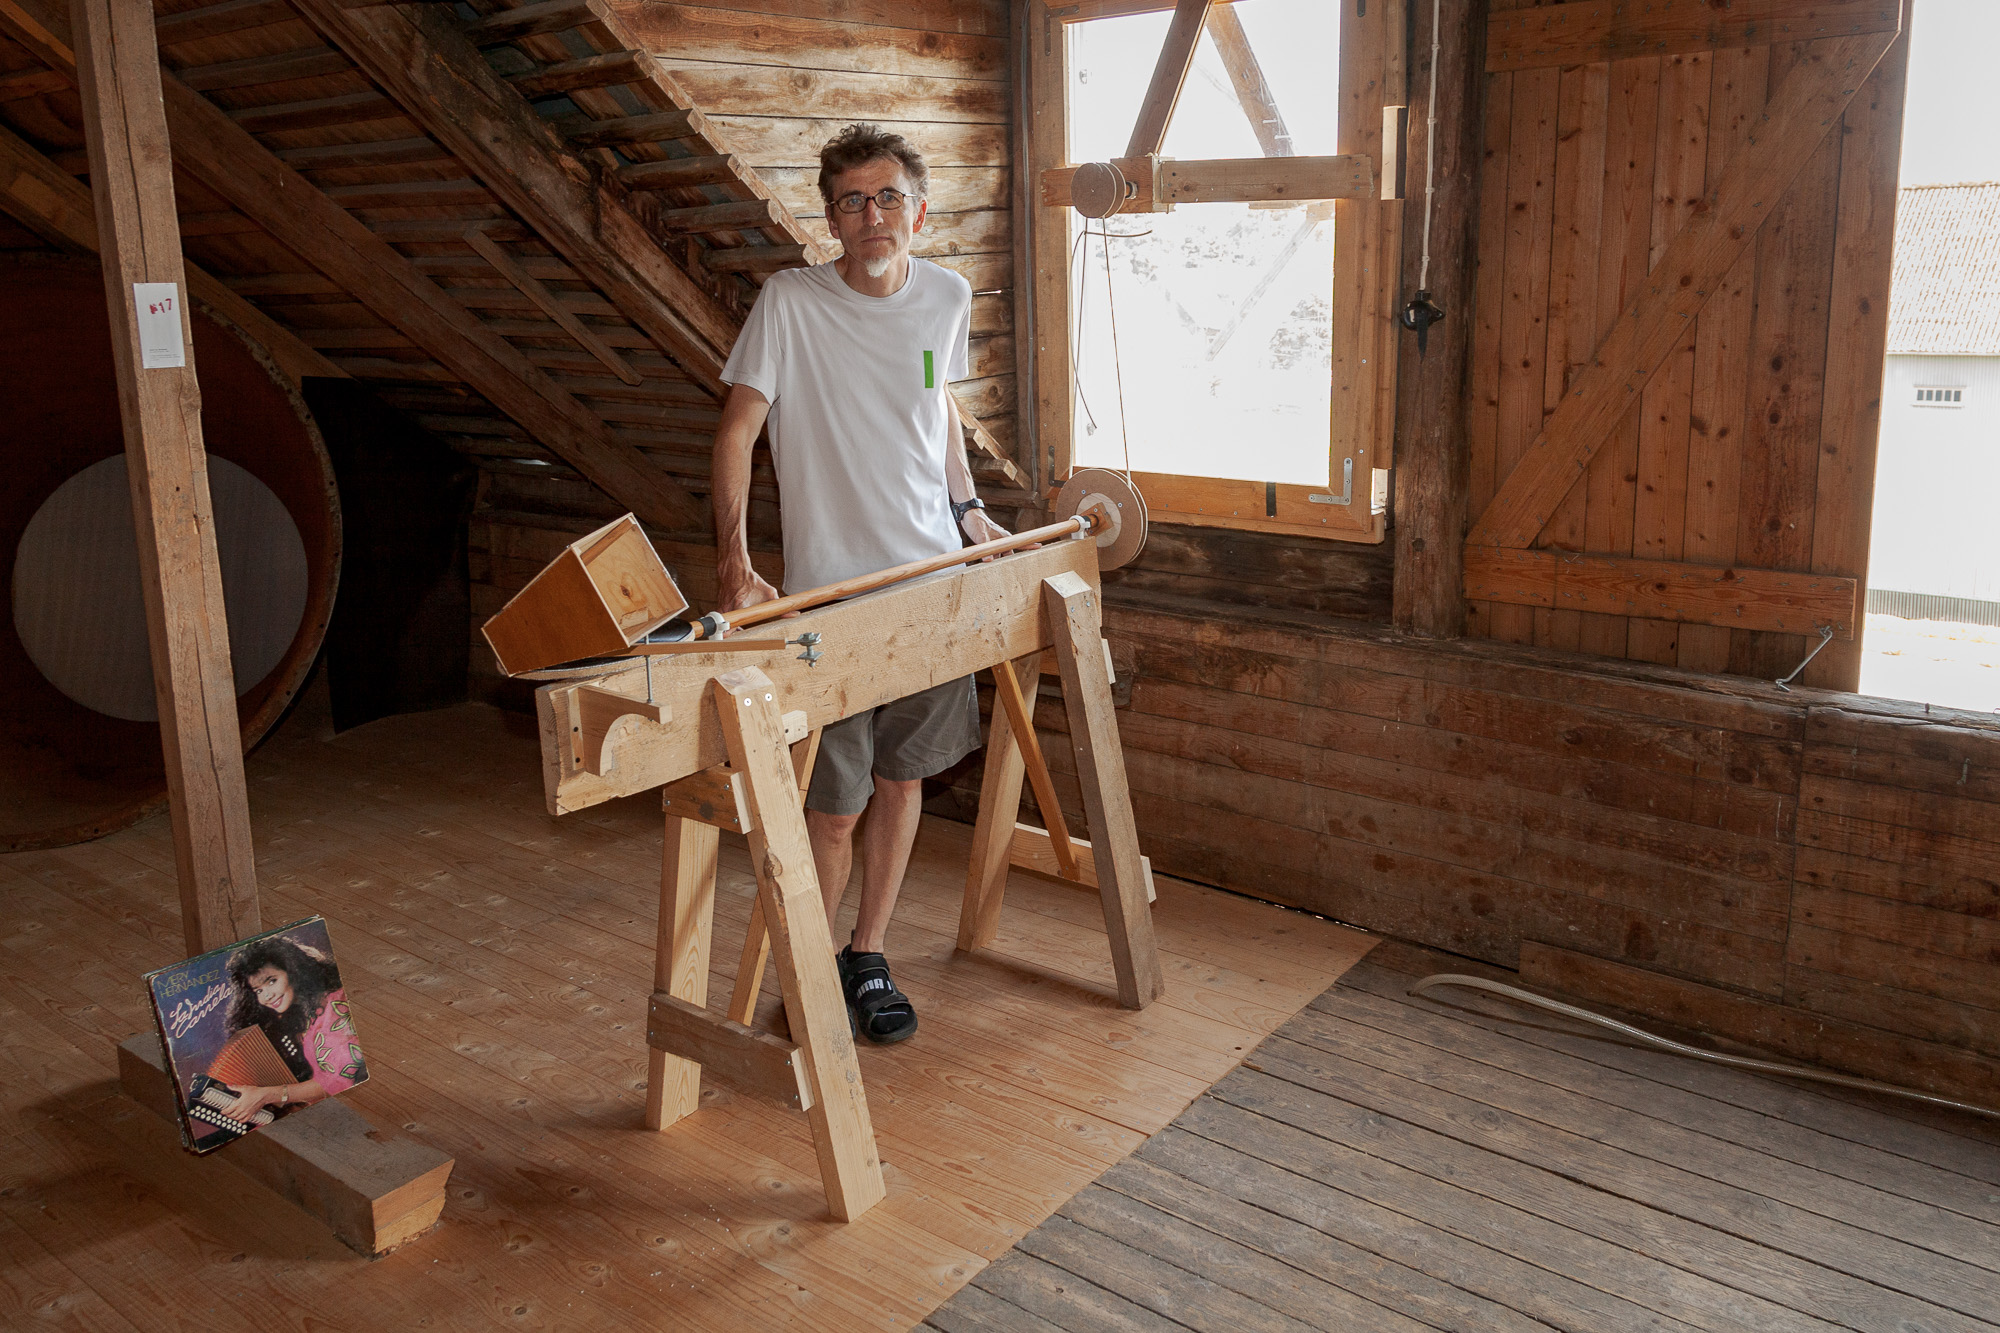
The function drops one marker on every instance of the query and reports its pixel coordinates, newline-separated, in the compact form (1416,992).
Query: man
(850,362)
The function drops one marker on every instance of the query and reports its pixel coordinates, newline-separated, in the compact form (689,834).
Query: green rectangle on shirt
(930,372)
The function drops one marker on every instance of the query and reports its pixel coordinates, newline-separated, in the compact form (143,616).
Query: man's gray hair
(863,143)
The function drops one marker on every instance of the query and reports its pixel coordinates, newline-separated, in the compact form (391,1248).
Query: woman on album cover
(293,993)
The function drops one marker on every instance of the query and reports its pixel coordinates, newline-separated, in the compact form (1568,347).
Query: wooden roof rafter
(54,205)
(220,153)
(641,126)
(426,63)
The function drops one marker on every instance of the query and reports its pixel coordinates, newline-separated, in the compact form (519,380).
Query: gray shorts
(912,738)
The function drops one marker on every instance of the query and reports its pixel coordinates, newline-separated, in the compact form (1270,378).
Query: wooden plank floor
(499,962)
(1397,1164)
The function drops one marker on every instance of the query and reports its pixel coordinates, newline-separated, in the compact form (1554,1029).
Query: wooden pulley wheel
(1099,189)
(1119,541)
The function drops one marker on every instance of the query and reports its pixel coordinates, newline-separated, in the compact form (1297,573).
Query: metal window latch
(1346,496)
(810,641)
(1419,315)
(1825,637)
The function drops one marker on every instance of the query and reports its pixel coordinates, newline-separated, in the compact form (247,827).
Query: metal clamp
(1825,637)
(810,641)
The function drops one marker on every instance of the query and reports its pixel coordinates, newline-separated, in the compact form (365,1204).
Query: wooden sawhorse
(715,736)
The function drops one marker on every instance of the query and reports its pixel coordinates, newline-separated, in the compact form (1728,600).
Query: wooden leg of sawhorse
(801,943)
(999,801)
(1074,622)
(757,938)
(680,966)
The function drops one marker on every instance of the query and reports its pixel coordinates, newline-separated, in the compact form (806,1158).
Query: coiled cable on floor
(1515,993)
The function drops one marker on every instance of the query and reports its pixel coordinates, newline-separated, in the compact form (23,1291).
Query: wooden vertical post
(1432,460)
(131,180)
(680,967)
(1071,606)
(1042,302)
(802,944)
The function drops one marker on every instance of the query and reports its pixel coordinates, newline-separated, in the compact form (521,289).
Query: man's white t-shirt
(859,424)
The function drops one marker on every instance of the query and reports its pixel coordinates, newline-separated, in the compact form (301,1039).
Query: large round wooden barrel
(79,736)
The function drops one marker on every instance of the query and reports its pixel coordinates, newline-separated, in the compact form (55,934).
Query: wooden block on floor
(373,1190)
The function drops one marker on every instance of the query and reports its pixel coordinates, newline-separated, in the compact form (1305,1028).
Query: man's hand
(979,528)
(741,586)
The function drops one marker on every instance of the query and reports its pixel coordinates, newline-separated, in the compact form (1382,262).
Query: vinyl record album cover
(255,1031)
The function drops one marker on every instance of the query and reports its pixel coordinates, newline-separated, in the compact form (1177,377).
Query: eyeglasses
(889,201)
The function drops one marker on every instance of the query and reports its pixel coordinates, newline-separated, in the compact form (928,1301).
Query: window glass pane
(1223,348)
(1222,353)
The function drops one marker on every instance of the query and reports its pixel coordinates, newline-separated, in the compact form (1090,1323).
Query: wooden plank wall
(778,78)
(1810,871)
(1755,440)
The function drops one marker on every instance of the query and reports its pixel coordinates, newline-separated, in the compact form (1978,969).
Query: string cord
(1079,264)
(1430,147)
(1079,272)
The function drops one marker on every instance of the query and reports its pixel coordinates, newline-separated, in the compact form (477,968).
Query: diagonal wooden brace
(696,808)
(1021,721)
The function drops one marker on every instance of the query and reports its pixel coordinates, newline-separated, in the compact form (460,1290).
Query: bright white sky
(1951,128)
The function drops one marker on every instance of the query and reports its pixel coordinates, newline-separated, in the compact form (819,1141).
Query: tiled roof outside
(1945,300)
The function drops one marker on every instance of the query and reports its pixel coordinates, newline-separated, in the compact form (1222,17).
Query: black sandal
(883,1013)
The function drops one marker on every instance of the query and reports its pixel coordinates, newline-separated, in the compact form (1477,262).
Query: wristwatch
(960,508)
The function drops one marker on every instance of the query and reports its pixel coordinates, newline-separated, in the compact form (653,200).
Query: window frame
(1368,237)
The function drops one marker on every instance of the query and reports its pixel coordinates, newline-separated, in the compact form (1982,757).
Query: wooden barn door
(1684,258)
